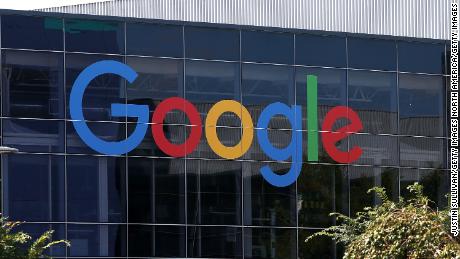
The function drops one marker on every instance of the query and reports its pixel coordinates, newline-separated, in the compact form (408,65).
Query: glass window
(97,240)
(156,241)
(377,150)
(268,47)
(319,247)
(265,204)
(209,82)
(42,136)
(421,105)
(423,152)
(102,91)
(35,230)
(320,50)
(34,187)
(214,242)
(372,53)
(364,178)
(321,189)
(270,243)
(94,36)
(265,84)
(156,190)
(29,32)
(33,84)
(157,80)
(214,192)
(154,40)
(96,189)
(421,57)
(211,43)
(373,96)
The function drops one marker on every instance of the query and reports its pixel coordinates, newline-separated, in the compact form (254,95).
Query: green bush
(404,229)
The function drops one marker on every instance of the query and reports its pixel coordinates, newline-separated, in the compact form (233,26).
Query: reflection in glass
(214,192)
(421,105)
(265,204)
(156,241)
(270,243)
(96,189)
(423,152)
(320,50)
(267,47)
(156,190)
(33,188)
(33,84)
(372,53)
(214,242)
(421,57)
(97,240)
(376,150)
(373,96)
(212,43)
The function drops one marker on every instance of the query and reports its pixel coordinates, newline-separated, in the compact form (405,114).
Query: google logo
(293,114)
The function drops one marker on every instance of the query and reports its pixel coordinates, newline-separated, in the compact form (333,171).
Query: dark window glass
(207,83)
(227,136)
(421,105)
(436,184)
(377,150)
(97,240)
(265,204)
(373,96)
(35,230)
(364,178)
(96,189)
(148,147)
(156,190)
(332,91)
(265,84)
(321,189)
(318,247)
(34,187)
(278,138)
(44,136)
(269,47)
(421,57)
(210,43)
(94,36)
(29,32)
(154,40)
(101,92)
(156,241)
(423,152)
(372,53)
(33,84)
(214,242)
(270,243)
(214,192)
(319,50)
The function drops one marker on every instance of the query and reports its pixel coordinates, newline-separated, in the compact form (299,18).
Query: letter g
(117,109)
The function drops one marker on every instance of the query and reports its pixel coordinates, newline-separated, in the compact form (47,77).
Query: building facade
(147,204)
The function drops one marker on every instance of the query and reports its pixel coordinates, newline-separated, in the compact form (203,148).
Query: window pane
(423,152)
(265,204)
(36,230)
(154,40)
(156,241)
(319,50)
(96,189)
(269,47)
(34,187)
(44,136)
(214,192)
(372,53)
(210,43)
(270,243)
(156,190)
(321,189)
(33,84)
(214,242)
(319,247)
(29,32)
(421,105)
(102,91)
(94,36)
(421,57)
(97,240)
(364,178)
(209,82)
(377,150)
(373,96)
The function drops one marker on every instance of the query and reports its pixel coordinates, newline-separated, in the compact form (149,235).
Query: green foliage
(403,229)
(19,245)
